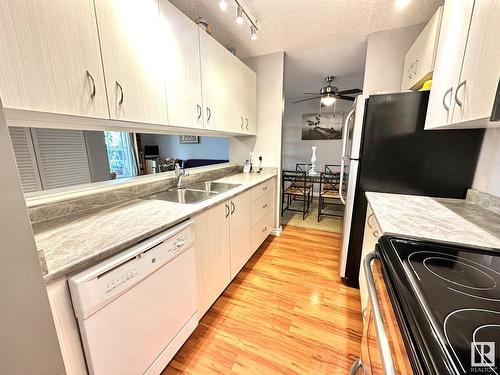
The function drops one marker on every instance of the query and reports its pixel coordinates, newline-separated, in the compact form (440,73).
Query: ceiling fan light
(223,5)
(239,15)
(328,100)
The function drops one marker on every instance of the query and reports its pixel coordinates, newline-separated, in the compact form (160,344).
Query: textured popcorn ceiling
(320,37)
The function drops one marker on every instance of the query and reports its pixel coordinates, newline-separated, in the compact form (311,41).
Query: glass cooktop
(451,298)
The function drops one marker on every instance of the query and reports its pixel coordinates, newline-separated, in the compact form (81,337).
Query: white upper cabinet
(48,46)
(214,82)
(451,48)
(467,65)
(133,59)
(182,67)
(249,96)
(420,58)
(476,90)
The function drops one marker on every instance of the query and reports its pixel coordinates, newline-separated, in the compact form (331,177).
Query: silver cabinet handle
(92,92)
(363,313)
(198,108)
(233,208)
(242,123)
(120,102)
(246,122)
(446,106)
(458,101)
(227,210)
(357,364)
(264,206)
(383,341)
(264,188)
(265,228)
(368,221)
(209,114)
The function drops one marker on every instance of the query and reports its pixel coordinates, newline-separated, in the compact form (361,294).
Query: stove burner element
(463,273)
(459,270)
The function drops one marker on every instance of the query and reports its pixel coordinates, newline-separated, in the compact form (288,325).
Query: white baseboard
(277,231)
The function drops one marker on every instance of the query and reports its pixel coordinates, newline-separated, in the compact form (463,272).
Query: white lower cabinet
(227,236)
(370,238)
(213,261)
(66,325)
(239,231)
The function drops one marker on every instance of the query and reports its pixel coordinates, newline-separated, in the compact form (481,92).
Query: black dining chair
(294,185)
(332,168)
(304,167)
(329,194)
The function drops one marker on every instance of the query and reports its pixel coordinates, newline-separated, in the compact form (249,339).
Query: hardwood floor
(286,312)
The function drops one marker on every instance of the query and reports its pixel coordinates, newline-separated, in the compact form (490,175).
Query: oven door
(382,349)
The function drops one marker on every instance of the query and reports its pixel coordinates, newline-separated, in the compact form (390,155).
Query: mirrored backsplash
(56,158)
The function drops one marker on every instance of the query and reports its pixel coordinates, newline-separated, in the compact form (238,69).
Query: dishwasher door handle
(383,341)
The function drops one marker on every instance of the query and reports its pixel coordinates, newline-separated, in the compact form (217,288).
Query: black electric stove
(447,300)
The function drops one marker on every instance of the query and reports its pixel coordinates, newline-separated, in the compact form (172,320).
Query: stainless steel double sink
(194,193)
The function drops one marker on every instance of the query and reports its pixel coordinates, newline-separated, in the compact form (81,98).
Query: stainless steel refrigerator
(386,149)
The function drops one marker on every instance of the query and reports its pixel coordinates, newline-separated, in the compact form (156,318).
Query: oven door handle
(383,341)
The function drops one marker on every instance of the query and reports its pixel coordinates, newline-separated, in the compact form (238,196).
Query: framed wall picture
(322,126)
(189,139)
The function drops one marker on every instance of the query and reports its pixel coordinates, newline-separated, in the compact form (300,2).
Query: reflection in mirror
(55,158)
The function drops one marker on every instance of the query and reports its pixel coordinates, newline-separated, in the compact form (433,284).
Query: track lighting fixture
(240,16)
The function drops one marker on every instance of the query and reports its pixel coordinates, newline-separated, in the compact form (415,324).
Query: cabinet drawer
(261,230)
(262,206)
(263,188)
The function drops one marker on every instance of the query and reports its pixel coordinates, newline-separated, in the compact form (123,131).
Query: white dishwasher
(136,309)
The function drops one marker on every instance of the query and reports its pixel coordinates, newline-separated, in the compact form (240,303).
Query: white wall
(295,150)
(28,341)
(170,146)
(385,55)
(270,103)
(487,177)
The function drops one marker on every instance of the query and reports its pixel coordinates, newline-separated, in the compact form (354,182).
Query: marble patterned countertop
(472,221)
(75,242)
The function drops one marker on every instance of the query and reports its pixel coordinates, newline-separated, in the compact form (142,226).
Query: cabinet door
(182,67)
(48,46)
(214,81)
(451,48)
(212,255)
(250,98)
(133,60)
(481,68)
(420,58)
(240,231)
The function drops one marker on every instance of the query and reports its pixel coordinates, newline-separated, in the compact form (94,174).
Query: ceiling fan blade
(311,93)
(304,100)
(350,91)
(345,97)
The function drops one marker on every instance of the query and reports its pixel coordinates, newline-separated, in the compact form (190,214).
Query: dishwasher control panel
(94,288)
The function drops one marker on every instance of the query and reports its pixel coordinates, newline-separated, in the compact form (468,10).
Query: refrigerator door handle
(345,137)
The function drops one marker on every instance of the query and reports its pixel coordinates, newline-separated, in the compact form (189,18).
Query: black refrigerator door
(399,156)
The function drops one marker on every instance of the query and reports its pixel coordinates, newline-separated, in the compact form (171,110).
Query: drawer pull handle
(376,234)
(264,188)
(368,221)
(265,228)
(264,206)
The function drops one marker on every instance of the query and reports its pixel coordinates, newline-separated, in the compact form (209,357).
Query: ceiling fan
(329,94)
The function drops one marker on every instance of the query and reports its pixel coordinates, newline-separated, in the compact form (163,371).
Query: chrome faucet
(179,173)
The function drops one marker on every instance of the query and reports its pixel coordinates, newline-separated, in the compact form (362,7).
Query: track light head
(223,5)
(253,31)
(239,15)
